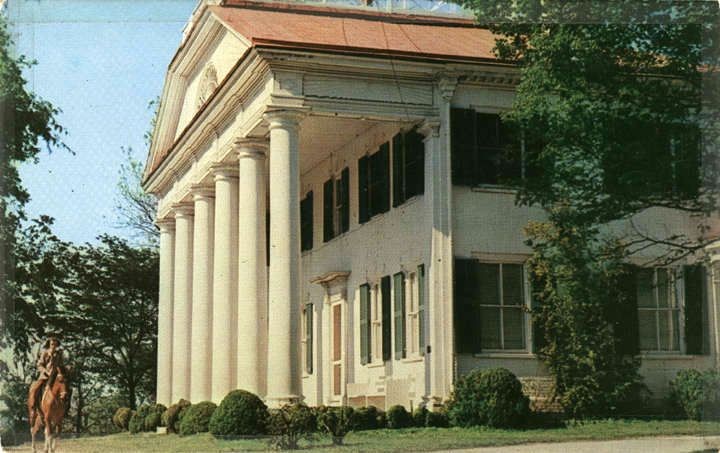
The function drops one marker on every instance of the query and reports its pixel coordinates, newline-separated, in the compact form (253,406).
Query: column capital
(430,127)
(251,147)
(447,82)
(166,224)
(223,172)
(286,118)
(201,192)
(183,210)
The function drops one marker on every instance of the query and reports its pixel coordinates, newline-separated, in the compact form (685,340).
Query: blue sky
(100,62)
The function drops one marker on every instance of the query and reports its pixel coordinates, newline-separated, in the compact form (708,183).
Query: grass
(411,439)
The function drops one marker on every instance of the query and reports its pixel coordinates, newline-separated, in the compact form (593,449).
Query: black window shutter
(398,164)
(364,324)
(386,317)
(306,222)
(466,314)
(345,199)
(383,180)
(626,323)
(309,338)
(363,189)
(695,331)
(414,163)
(463,146)
(421,308)
(328,208)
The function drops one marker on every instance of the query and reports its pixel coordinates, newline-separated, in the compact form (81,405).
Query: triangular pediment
(207,55)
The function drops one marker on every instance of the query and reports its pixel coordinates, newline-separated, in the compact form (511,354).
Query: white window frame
(524,307)
(411,315)
(376,326)
(304,339)
(676,295)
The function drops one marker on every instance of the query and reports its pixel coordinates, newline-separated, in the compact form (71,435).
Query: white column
(182,307)
(202,289)
(225,283)
(163,393)
(252,273)
(284,280)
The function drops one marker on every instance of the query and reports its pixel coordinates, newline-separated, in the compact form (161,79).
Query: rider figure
(50,361)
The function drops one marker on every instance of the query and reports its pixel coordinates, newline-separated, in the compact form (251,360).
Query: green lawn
(412,439)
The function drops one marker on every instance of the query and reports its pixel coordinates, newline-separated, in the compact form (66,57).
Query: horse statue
(54,400)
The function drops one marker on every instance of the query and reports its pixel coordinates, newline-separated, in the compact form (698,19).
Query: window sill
(413,359)
(306,376)
(492,188)
(375,364)
(505,355)
(668,356)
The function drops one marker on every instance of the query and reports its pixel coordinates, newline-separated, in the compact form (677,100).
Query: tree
(25,122)
(136,209)
(616,113)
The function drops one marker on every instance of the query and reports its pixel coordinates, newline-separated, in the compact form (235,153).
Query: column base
(275,402)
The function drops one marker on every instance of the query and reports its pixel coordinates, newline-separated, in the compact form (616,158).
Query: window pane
(513,328)
(490,328)
(488,275)
(645,290)
(648,330)
(512,284)
(669,339)
(663,287)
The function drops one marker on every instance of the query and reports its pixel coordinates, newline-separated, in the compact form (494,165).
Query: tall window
(399,315)
(374,183)
(421,308)
(307,337)
(365,326)
(489,306)
(336,206)
(408,161)
(658,310)
(413,315)
(482,151)
(376,351)
(306,222)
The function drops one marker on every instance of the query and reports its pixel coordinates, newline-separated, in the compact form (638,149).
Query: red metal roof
(346,30)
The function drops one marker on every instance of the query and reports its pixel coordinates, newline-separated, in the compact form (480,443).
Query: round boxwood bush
(121,419)
(398,417)
(239,413)
(137,420)
(696,394)
(437,420)
(492,397)
(419,416)
(367,418)
(197,418)
(154,417)
(171,417)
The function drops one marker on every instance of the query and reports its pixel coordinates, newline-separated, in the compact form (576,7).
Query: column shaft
(284,282)
(182,308)
(202,302)
(252,274)
(225,284)
(165,314)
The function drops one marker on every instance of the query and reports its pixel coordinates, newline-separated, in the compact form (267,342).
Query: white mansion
(332,227)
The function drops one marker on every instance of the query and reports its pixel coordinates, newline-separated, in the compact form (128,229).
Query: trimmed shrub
(289,424)
(398,417)
(137,421)
(239,413)
(121,419)
(419,416)
(492,397)
(336,421)
(154,417)
(696,394)
(437,420)
(367,418)
(171,417)
(8,438)
(196,418)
